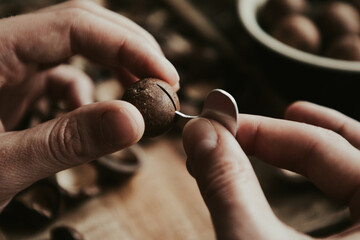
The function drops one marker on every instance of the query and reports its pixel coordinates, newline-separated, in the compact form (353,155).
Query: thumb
(85,134)
(229,185)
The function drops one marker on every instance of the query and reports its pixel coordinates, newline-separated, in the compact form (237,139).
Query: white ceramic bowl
(247,11)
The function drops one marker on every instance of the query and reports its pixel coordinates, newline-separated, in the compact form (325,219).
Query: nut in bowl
(309,45)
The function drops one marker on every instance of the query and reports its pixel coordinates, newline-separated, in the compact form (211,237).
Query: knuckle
(328,134)
(223,178)
(324,138)
(72,15)
(65,141)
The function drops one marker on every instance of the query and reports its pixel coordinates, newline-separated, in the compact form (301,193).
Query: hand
(32,48)
(324,148)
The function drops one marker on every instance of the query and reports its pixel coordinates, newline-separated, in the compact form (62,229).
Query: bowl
(248,10)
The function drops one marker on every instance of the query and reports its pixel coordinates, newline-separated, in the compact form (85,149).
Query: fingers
(85,134)
(327,118)
(74,30)
(125,77)
(108,15)
(61,83)
(327,159)
(70,84)
(228,184)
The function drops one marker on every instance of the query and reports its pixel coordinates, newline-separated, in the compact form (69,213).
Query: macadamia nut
(157,102)
(299,32)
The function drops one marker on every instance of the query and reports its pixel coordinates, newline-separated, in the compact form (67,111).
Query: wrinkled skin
(319,143)
(33,46)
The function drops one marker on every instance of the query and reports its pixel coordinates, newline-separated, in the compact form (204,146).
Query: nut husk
(157,102)
(43,198)
(32,209)
(119,166)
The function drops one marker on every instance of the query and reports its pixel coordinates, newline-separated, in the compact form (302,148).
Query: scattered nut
(117,167)
(31,209)
(42,198)
(157,102)
(78,181)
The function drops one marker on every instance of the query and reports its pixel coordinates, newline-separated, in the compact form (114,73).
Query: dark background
(261,81)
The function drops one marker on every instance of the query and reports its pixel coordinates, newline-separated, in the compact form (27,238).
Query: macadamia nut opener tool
(220,106)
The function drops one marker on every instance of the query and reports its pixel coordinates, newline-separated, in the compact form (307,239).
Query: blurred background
(149,194)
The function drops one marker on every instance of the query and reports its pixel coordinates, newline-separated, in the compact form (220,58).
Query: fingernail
(200,138)
(121,128)
(188,167)
(176,87)
(87,99)
(175,78)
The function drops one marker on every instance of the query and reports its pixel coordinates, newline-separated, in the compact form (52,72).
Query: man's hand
(32,47)
(324,148)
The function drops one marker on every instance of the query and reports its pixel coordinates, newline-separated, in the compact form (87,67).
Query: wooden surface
(161,202)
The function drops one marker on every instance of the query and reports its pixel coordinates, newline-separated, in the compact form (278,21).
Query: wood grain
(161,202)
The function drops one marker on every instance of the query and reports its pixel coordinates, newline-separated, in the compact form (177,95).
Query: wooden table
(162,201)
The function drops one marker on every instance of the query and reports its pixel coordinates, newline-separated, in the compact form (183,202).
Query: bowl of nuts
(324,34)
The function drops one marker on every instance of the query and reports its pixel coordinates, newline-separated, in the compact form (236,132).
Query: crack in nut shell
(155,99)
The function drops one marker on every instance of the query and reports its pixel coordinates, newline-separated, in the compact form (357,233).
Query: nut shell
(356,3)
(337,19)
(345,48)
(274,10)
(299,32)
(157,102)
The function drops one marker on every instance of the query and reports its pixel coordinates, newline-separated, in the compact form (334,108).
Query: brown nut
(299,32)
(337,19)
(274,10)
(157,102)
(345,48)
